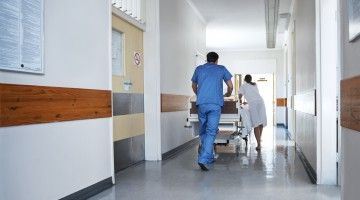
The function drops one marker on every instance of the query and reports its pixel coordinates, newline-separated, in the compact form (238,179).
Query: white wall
(290,76)
(327,69)
(50,161)
(305,76)
(182,35)
(350,139)
(312,59)
(259,62)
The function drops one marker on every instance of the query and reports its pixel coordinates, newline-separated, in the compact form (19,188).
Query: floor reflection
(273,173)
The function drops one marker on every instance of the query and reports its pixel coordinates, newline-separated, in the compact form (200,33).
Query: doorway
(128,94)
(265,84)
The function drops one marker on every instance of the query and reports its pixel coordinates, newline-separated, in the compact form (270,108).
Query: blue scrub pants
(209,117)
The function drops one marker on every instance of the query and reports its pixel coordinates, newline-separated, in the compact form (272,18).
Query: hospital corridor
(275,173)
(179,99)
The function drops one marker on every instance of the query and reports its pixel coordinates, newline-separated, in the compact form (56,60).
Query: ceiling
(236,24)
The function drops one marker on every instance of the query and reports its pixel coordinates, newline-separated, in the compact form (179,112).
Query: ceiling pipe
(271,19)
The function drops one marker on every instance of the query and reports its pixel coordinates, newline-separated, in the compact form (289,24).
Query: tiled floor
(275,173)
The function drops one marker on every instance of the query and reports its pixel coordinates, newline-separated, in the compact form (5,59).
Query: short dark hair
(212,57)
(248,79)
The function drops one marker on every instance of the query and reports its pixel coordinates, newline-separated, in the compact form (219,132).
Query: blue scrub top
(209,78)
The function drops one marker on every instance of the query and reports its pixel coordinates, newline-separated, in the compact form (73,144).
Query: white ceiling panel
(236,24)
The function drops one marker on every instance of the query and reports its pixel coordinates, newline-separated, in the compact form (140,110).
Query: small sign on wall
(137,58)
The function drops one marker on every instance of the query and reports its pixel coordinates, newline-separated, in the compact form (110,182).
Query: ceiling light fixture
(284,21)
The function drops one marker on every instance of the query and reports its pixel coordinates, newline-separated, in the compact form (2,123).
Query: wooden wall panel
(350,103)
(26,104)
(281,102)
(174,103)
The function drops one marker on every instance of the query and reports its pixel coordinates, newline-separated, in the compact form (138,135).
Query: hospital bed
(233,118)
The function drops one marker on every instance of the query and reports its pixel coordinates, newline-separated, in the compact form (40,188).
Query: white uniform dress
(256,104)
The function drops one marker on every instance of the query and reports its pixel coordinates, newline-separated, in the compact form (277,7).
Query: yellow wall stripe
(127,126)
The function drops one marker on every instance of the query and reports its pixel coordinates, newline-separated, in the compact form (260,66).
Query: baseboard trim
(90,191)
(134,164)
(308,168)
(288,134)
(179,149)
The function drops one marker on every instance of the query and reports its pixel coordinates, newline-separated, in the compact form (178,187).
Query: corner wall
(182,36)
(152,102)
(54,160)
(350,139)
(328,91)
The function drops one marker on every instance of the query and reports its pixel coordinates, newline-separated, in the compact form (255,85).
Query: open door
(265,84)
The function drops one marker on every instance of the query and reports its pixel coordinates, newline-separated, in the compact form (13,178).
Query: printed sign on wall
(21,35)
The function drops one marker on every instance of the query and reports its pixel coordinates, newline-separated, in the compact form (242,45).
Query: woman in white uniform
(256,107)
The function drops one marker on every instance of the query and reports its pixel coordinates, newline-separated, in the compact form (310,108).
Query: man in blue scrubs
(207,84)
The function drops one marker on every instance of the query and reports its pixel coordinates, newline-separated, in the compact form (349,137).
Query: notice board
(21,35)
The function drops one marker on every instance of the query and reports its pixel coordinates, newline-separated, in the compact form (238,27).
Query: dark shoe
(246,140)
(258,148)
(203,167)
